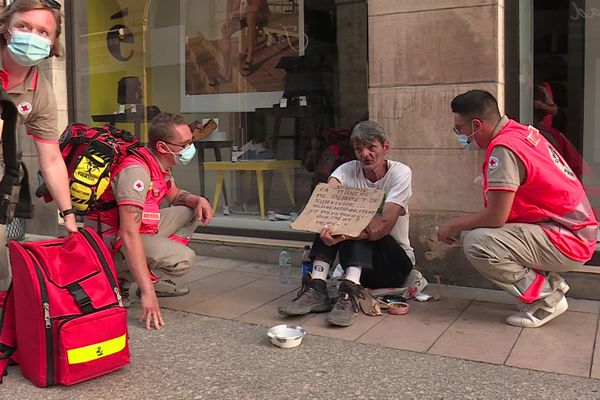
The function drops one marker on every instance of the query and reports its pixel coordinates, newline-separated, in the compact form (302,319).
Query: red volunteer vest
(551,197)
(157,192)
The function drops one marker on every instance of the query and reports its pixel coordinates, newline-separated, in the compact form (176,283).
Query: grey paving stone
(198,357)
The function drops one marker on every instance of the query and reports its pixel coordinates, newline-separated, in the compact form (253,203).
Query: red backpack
(90,153)
(63,319)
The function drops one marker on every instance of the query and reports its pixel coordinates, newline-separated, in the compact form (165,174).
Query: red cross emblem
(24,107)
(493,162)
(138,185)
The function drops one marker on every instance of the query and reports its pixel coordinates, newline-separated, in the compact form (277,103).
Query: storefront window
(565,85)
(275,85)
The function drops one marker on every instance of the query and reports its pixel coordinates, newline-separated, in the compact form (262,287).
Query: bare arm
(54,171)
(494,216)
(181,197)
(130,218)
(381,226)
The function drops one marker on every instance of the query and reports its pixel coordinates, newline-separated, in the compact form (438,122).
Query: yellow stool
(283,166)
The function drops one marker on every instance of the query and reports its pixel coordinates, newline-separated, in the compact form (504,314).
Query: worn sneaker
(167,288)
(540,312)
(125,297)
(346,307)
(124,286)
(312,297)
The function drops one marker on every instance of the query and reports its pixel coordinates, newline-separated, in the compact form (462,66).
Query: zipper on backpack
(47,315)
(118,294)
(105,266)
(47,321)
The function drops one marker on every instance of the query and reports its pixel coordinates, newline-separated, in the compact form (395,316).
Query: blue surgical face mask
(464,141)
(186,155)
(27,48)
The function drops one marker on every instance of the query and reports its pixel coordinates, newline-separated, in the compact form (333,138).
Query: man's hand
(151,310)
(204,210)
(330,240)
(377,228)
(494,216)
(448,234)
(184,198)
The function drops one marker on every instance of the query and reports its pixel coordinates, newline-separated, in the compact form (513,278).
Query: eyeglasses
(52,4)
(183,146)
(456,128)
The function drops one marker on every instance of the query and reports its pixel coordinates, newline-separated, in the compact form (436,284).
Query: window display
(271,89)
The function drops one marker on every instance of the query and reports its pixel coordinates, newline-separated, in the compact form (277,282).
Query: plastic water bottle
(285,266)
(307,265)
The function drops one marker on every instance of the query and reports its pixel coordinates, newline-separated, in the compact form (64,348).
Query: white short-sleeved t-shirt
(396,184)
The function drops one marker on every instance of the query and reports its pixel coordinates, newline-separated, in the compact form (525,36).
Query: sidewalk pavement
(458,348)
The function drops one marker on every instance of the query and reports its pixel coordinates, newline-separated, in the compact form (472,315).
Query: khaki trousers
(163,256)
(514,256)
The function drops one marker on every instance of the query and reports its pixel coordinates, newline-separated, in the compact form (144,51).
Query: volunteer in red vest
(147,236)
(537,221)
(29,32)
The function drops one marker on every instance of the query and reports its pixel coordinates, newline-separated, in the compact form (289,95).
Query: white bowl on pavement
(286,336)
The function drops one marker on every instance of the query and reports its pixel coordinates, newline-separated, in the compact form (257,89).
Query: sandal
(246,69)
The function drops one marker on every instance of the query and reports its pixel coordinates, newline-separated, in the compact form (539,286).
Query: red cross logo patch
(493,162)
(24,108)
(138,185)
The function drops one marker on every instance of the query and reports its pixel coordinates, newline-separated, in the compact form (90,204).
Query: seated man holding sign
(380,255)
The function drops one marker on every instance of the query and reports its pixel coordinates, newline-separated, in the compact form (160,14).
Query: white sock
(353,274)
(320,270)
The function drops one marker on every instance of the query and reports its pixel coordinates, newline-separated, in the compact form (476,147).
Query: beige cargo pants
(516,257)
(163,255)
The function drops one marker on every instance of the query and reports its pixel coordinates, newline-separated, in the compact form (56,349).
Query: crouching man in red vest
(537,220)
(145,235)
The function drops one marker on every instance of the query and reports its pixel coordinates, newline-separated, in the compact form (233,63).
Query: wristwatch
(67,212)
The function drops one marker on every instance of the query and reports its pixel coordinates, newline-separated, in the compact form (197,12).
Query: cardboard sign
(343,209)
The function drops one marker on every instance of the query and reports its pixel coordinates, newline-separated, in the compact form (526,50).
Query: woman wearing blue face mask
(29,32)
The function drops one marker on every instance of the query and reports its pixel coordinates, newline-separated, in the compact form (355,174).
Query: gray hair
(366,132)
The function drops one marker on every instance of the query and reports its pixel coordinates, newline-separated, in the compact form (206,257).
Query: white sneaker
(540,313)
